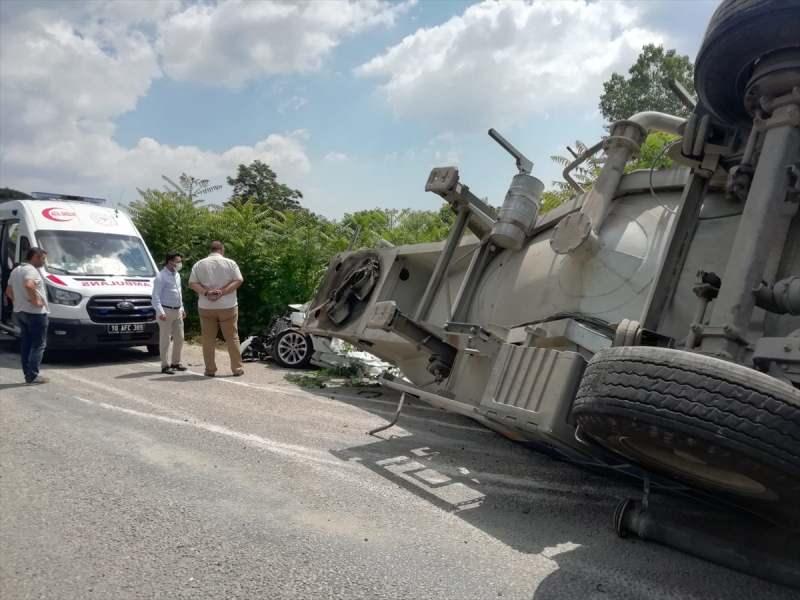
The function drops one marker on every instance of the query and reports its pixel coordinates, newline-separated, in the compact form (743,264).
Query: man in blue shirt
(168,302)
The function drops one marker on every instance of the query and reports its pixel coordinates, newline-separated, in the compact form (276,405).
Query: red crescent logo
(58,214)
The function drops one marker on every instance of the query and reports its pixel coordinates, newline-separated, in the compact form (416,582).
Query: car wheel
(292,349)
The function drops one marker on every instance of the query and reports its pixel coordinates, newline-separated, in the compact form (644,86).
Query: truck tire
(738,34)
(292,349)
(153,350)
(716,425)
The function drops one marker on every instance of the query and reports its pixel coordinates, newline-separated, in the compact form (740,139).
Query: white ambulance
(99,273)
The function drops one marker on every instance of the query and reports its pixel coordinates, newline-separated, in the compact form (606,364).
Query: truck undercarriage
(650,325)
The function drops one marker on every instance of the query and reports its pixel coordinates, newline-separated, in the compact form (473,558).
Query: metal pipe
(394,419)
(782,297)
(620,148)
(697,322)
(443,262)
(766,217)
(434,400)
(652,120)
(579,160)
(755,551)
(577,235)
(472,278)
(682,93)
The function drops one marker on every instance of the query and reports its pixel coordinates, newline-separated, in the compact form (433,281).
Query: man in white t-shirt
(216,279)
(29,298)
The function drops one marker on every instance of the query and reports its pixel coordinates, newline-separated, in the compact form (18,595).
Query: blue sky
(352,103)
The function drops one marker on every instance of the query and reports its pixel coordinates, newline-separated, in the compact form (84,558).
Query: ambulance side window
(12,236)
(24,246)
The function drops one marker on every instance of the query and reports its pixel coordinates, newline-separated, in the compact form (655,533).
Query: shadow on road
(11,386)
(529,501)
(76,359)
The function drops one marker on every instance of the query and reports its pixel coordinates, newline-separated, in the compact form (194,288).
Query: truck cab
(99,273)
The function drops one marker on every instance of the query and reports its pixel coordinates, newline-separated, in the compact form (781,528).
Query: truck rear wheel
(738,34)
(714,424)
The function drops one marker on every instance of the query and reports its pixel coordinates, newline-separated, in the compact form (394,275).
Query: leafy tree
(646,87)
(653,154)
(282,254)
(399,227)
(11,194)
(259,183)
(189,186)
(169,221)
(554,198)
(585,173)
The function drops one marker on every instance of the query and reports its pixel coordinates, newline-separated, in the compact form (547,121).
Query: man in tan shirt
(216,279)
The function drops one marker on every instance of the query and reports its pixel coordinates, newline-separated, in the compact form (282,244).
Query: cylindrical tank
(520,208)
(535,282)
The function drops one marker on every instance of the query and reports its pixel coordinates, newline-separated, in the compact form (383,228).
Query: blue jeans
(33,339)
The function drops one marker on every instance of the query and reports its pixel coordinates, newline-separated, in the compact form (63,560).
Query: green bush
(282,255)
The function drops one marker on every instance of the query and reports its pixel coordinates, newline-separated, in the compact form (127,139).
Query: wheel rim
(692,466)
(292,348)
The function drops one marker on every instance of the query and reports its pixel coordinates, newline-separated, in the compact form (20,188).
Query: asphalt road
(119,482)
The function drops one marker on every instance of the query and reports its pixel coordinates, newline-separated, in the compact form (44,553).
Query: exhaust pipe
(759,550)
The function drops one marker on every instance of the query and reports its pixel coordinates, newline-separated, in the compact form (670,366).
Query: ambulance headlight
(59,296)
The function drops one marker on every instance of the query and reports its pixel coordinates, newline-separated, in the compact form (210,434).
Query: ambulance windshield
(96,254)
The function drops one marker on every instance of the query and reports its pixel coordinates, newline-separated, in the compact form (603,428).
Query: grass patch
(351,375)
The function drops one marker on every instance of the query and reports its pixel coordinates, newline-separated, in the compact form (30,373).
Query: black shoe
(178,367)
(167,371)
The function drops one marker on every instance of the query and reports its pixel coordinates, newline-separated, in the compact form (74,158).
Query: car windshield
(85,253)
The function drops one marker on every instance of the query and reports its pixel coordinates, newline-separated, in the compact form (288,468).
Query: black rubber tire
(153,350)
(708,415)
(739,32)
(306,360)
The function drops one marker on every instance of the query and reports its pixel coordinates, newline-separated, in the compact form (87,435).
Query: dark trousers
(33,339)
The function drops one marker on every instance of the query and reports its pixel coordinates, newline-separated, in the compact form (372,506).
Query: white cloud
(500,62)
(234,42)
(336,157)
(294,103)
(68,74)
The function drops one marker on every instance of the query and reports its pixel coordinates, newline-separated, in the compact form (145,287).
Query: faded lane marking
(300,453)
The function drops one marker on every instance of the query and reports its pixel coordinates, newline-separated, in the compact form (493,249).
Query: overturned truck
(651,323)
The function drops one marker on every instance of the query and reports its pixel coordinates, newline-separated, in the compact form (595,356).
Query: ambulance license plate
(126,328)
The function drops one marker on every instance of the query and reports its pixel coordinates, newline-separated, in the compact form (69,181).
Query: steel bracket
(785,115)
(479,340)
(780,355)
(445,182)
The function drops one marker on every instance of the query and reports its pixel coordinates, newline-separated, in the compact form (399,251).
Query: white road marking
(300,453)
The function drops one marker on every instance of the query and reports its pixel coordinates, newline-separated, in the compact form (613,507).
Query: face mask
(178,266)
